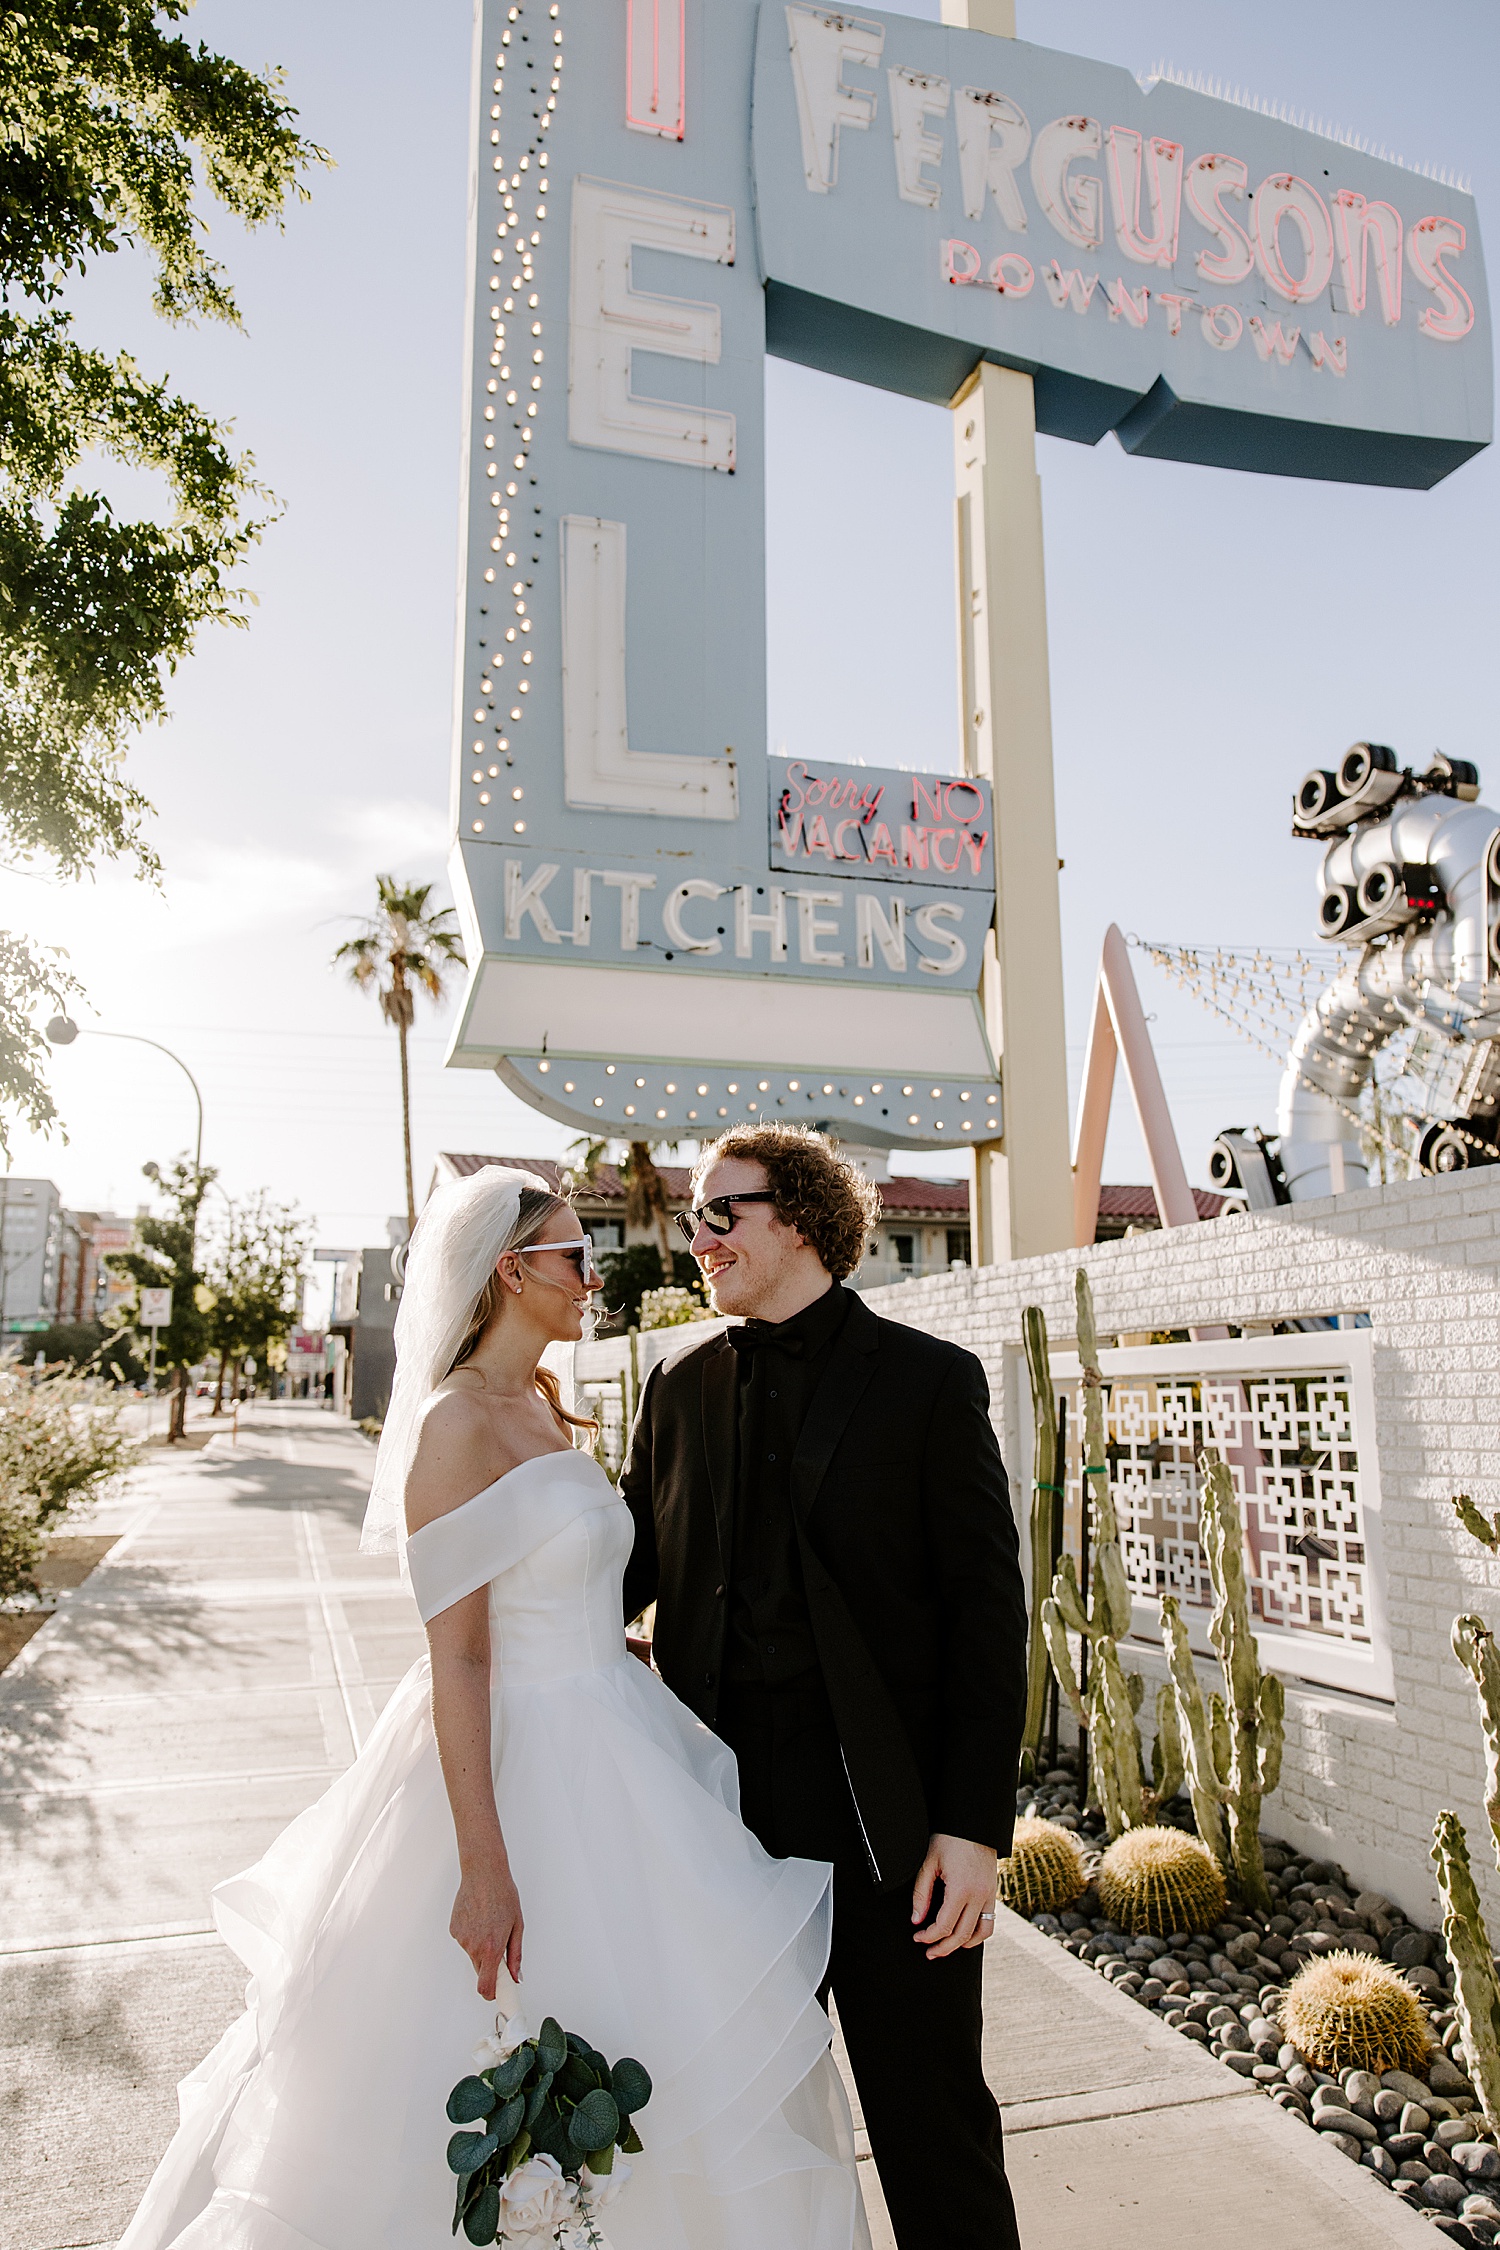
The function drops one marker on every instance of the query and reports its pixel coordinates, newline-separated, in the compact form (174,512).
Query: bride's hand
(487,1922)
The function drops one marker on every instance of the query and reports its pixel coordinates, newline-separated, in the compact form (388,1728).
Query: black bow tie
(755,1334)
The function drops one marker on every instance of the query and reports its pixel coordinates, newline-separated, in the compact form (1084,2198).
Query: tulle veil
(460,1235)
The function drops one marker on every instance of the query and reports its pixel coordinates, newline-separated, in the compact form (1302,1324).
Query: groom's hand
(967,1874)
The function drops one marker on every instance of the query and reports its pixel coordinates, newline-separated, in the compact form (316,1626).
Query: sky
(1212,634)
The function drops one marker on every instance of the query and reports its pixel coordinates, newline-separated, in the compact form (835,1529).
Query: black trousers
(945,2181)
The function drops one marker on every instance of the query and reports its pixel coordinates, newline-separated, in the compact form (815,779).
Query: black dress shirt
(770,1642)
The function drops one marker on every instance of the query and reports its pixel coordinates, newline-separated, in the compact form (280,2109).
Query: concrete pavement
(207,1682)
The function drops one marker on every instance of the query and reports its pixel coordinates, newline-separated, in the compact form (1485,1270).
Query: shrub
(671,1308)
(62,1441)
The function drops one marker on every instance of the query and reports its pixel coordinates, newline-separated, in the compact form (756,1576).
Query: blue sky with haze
(1212,634)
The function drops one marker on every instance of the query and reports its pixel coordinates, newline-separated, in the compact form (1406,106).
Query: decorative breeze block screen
(1293,1417)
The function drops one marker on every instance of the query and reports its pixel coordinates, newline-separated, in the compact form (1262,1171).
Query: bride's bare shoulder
(457,1456)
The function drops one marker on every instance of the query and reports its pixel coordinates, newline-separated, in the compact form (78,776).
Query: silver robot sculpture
(1410,876)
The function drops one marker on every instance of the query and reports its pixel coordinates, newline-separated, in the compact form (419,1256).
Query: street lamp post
(62,1031)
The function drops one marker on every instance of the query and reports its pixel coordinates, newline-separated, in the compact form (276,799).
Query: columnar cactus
(1107,1708)
(1476,1984)
(1486,1529)
(1233,1747)
(1476,1989)
(1474,1646)
(1205,1788)
(1046,1496)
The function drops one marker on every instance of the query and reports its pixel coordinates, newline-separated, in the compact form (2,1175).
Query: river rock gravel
(1420,2134)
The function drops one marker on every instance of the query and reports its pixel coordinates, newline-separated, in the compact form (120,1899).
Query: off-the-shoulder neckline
(560,1453)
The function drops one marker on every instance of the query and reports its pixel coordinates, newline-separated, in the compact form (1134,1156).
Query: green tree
(401,951)
(255,1276)
(117,132)
(628,1274)
(165,1256)
(646,1202)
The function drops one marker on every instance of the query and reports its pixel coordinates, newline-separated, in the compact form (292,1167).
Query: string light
(1266,994)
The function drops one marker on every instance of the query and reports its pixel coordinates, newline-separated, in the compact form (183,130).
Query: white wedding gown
(655,1925)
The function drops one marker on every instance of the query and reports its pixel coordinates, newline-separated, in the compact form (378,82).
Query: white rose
(537,2197)
(601,2188)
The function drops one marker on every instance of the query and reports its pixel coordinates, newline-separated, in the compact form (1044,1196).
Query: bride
(590,1847)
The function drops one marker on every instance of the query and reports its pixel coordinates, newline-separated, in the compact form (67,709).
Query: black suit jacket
(909,1556)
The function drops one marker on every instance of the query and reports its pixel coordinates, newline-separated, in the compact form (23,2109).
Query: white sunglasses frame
(588,1269)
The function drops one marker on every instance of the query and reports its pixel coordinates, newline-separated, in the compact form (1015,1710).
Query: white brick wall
(1362,1780)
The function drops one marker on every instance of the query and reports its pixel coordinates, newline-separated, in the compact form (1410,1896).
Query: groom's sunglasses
(718,1213)
(581,1254)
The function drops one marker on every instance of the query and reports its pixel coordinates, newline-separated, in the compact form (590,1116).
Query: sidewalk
(208,1681)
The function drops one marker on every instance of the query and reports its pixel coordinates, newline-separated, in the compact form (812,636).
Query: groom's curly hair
(820,1193)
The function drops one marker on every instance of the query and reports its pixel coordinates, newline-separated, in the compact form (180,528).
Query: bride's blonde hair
(536,1207)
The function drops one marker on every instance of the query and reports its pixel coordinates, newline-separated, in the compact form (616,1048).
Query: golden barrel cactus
(1159,1879)
(1044,1873)
(1348,2010)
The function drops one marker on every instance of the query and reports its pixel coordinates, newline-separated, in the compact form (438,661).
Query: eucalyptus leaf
(508,2123)
(630,2083)
(630,2141)
(536,2100)
(463,2152)
(482,2219)
(519,2150)
(470,2100)
(595,2122)
(550,2136)
(509,2074)
(552,2045)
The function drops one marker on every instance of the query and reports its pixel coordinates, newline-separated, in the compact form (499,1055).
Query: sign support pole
(1022,1192)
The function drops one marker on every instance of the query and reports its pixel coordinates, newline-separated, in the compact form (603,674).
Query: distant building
(31,1232)
(1132,1210)
(365,1297)
(87,1289)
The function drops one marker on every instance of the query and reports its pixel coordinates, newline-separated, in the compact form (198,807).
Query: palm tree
(646,1200)
(403,950)
(645,1189)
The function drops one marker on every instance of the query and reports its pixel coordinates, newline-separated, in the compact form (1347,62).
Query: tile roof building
(924,1226)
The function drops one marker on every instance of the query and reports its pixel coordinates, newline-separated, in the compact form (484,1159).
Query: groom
(823,1522)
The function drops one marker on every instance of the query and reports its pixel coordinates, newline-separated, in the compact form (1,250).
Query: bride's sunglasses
(718,1213)
(579,1252)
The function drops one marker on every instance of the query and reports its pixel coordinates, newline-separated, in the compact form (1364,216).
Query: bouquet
(546,2116)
